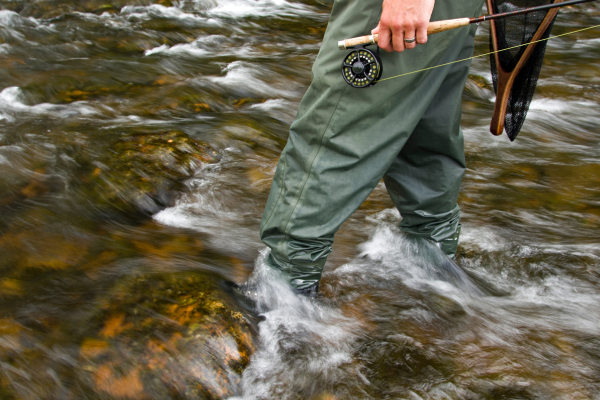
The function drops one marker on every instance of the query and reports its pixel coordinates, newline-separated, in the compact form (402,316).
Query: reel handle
(434,27)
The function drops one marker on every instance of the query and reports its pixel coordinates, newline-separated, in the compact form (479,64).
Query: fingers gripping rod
(434,27)
(446,25)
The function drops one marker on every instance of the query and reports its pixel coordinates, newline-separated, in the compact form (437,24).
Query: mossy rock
(145,171)
(167,336)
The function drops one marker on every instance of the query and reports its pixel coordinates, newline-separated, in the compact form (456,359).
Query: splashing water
(138,140)
(302,341)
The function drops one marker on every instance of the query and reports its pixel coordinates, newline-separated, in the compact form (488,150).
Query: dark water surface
(137,145)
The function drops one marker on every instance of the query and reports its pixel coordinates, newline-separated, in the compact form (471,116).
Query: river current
(138,140)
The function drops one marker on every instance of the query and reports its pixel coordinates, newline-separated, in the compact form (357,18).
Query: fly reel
(361,68)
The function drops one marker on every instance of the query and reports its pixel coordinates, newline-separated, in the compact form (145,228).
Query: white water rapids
(138,140)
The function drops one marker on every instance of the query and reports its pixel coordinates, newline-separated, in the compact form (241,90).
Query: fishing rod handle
(433,27)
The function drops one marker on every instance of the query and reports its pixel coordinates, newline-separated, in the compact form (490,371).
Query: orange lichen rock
(163,335)
(91,348)
(114,326)
(34,189)
(166,247)
(325,396)
(11,287)
(201,107)
(42,249)
(128,386)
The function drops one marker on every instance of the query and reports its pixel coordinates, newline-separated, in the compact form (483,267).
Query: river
(138,140)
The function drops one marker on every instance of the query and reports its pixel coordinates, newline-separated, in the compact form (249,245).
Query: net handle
(507,78)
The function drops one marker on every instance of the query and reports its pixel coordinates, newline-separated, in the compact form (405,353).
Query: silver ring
(410,40)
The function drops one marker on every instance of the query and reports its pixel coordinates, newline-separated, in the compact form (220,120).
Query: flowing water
(138,140)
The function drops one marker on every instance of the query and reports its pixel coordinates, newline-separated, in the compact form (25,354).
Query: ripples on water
(137,145)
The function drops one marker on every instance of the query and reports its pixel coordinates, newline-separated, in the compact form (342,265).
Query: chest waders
(345,139)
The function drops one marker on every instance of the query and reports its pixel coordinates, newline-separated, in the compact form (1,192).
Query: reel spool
(361,68)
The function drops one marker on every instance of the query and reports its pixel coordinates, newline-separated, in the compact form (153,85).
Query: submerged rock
(145,170)
(158,336)
(166,336)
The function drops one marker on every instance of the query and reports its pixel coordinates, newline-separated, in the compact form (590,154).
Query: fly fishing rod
(362,67)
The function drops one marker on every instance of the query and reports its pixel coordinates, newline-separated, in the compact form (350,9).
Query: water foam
(280,109)
(585,44)
(272,8)
(11,19)
(311,347)
(211,45)
(11,103)
(190,49)
(159,11)
(213,207)
(416,262)
(303,343)
(482,238)
(554,106)
(247,77)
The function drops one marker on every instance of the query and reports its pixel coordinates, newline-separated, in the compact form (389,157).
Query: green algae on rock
(169,335)
(172,335)
(143,170)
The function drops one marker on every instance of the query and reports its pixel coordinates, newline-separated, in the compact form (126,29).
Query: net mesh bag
(515,72)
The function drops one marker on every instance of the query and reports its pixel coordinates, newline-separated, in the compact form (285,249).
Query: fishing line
(487,54)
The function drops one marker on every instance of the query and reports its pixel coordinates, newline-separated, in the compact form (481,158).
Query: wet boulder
(144,171)
(168,335)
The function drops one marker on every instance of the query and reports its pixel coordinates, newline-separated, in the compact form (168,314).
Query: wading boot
(311,292)
(248,297)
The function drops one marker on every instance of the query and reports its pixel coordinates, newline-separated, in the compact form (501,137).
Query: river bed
(138,140)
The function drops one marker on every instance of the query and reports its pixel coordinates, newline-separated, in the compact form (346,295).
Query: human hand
(403,19)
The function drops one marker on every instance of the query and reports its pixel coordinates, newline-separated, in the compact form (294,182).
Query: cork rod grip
(434,27)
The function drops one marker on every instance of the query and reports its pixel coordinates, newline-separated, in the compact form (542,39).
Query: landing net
(515,70)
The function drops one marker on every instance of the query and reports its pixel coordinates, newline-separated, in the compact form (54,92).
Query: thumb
(376,30)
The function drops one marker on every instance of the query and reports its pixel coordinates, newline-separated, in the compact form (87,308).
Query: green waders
(344,140)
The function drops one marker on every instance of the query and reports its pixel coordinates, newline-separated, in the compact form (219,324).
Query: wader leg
(345,139)
(424,179)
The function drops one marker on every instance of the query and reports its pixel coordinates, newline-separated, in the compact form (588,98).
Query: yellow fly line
(491,52)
